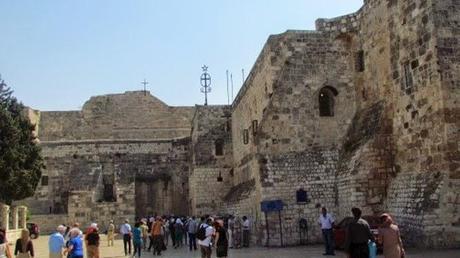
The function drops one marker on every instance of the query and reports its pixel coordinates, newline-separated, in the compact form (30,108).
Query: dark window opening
(109,195)
(255,125)
(44,180)
(302,196)
(245,136)
(408,83)
(219,144)
(220,178)
(327,101)
(360,65)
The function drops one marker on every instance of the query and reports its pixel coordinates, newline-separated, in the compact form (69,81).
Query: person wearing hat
(145,232)
(92,242)
(110,233)
(56,242)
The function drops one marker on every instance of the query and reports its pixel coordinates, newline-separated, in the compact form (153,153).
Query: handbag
(372,249)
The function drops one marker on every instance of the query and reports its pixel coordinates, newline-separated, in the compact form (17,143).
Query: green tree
(20,156)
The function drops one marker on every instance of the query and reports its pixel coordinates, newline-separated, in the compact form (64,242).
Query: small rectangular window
(408,83)
(245,136)
(44,180)
(255,125)
(360,65)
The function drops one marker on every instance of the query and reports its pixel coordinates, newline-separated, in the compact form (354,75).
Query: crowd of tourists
(156,234)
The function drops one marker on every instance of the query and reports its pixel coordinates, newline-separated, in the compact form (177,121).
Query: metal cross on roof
(145,82)
(206,83)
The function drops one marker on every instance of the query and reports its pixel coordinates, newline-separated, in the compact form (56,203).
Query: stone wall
(49,222)
(121,156)
(211,163)
(283,175)
(132,115)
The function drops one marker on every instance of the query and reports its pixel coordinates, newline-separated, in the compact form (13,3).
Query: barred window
(408,83)
(245,136)
(360,65)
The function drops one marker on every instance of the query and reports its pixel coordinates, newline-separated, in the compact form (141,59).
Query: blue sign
(270,206)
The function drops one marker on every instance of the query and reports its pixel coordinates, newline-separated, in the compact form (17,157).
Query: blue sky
(56,54)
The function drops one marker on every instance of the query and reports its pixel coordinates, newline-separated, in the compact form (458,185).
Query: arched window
(219,147)
(326,101)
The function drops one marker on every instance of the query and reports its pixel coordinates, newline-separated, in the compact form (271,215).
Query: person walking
(237,233)
(246,231)
(75,245)
(145,233)
(158,244)
(231,228)
(24,246)
(166,232)
(221,239)
(56,242)
(327,224)
(125,231)
(390,237)
(172,231)
(358,236)
(205,242)
(5,251)
(137,239)
(92,242)
(178,232)
(192,227)
(110,233)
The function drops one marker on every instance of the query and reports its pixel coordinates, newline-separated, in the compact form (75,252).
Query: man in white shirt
(327,224)
(205,244)
(125,231)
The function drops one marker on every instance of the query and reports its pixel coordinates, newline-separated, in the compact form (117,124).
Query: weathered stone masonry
(362,112)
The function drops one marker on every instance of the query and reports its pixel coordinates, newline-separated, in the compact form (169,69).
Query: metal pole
(242,74)
(228,93)
(281,229)
(231,81)
(266,226)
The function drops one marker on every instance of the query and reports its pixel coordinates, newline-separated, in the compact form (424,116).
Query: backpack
(201,234)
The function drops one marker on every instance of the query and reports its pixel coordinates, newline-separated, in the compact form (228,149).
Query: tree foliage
(20,156)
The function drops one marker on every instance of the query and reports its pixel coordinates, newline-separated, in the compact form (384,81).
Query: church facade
(363,112)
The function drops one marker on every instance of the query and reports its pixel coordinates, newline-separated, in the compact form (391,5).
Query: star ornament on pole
(205,80)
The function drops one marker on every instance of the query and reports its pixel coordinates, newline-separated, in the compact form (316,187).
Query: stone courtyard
(296,252)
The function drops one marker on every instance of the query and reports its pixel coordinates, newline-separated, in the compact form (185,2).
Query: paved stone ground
(116,251)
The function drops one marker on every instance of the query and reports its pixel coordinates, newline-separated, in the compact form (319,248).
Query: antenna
(242,74)
(228,93)
(231,80)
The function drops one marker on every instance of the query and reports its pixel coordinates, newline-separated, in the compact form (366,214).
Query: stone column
(14,217)
(4,216)
(22,215)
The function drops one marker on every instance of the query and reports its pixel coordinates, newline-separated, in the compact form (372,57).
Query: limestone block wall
(207,193)
(85,210)
(132,115)
(211,173)
(285,174)
(48,223)
(292,120)
(90,165)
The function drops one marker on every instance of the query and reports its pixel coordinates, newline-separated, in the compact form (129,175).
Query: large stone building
(364,112)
